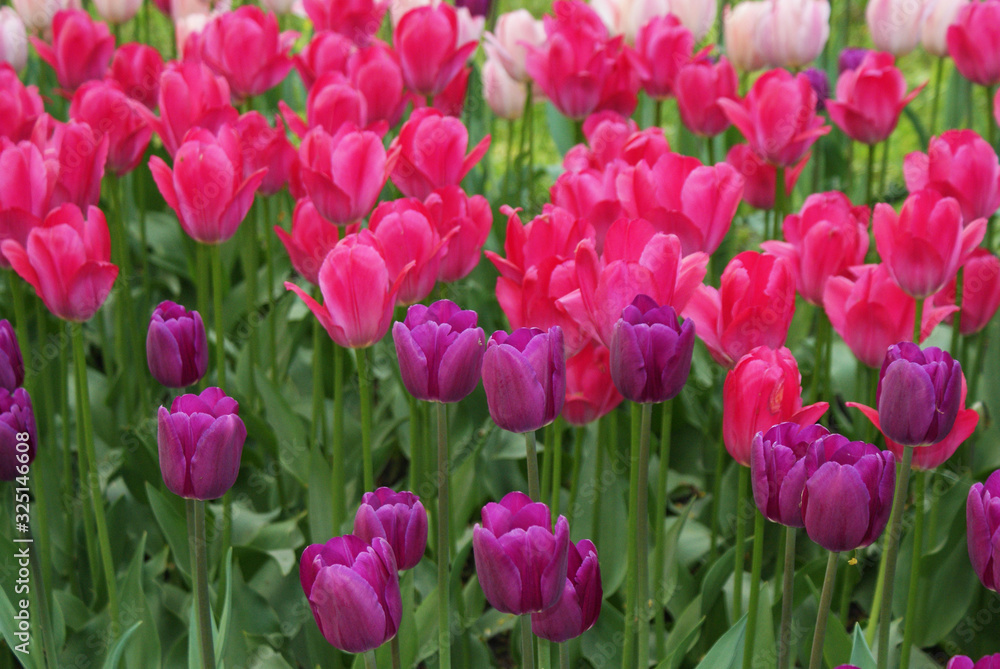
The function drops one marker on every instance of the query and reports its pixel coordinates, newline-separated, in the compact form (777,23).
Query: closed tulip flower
(982,514)
(440,351)
(343,174)
(13,39)
(25,191)
(333,104)
(698,87)
(980,292)
(397,517)
(21,105)
(11,361)
(191,96)
(358,20)
(821,85)
(176,345)
(934,30)
(742,23)
(377,74)
(919,394)
(505,96)
(408,238)
(312,237)
(200,444)
(67,261)
(760,178)
(468,220)
(958,164)
(590,391)
(664,46)
(780,463)
(925,244)
(207,188)
(524,375)
(964,662)
(651,352)
(580,603)
(846,502)
(267,148)
(762,390)
(972,42)
(111,113)
(80,152)
(427,40)
(16,418)
(521,563)
(895,24)
(514,32)
(326,52)
(794,32)
(353,591)
(38,14)
(81,48)
(870,99)
(117,11)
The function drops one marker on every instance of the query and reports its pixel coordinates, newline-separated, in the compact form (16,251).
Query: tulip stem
(660,534)
(220,338)
(534,492)
(755,569)
(394,652)
(202,281)
(93,483)
(370,661)
(938,77)
(271,316)
(991,126)
(544,654)
(642,538)
(918,318)
(720,465)
(816,657)
(603,430)
(870,180)
(918,550)
(787,587)
(337,442)
(365,392)
(895,528)
(545,481)
(199,565)
(636,644)
(956,326)
(780,205)
(317,379)
(557,438)
(874,614)
(443,557)
(527,653)
(416,449)
(563,656)
(574,489)
(884,170)
(741,536)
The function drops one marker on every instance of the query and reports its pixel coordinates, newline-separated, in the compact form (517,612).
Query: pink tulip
(742,23)
(408,238)
(827,237)
(934,31)
(112,114)
(81,48)
(980,292)
(591,194)
(375,71)
(344,173)
(468,221)
(925,244)
(207,188)
(871,313)
(974,42)
(38,14)
(613,138)
(326,52)
(332,104)
(958,164)
(67,261)
(136,68)
(430,153)
(794,32)
(778,117)
(13,39)
(505,96)
(451,101)
(514,34)
(590,393)
(358,20)
(265,147)
(699,86)
(25,190)
(754,307)
(191,96)
(117,11)
(759,178)
(81,154)
(664,46)
(427,41)
(698,16)
(870,99)
(895,24)
(358,291)
(20,105)
(312,237)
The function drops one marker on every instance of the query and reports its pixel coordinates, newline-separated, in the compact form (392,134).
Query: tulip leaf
(8,627)
(727,653)
(861,655)
(115,654)
(601,646)
(225,620)
(144,650)
(683,636)
(561,129)
(292,448)
(170,516)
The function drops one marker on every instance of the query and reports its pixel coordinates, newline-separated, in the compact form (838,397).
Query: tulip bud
(664,46)
(117,11)
(111,113)
(191,96)
(267,148)
(18,438)
(850,58)
(22,105)
(430,47)
(514,32)
(326,52)
(919,394)
(524,375)
(81,48)
(13,39)
(895,24)
(779,467)
(971,42)
(590,391)
(505,96)
(934,31)
(580,603)
(358,20)
(343,174)
(521,563)
(397,517)
(794,32)
(698,87)
(742,23)
(958,164)
(176,345)
(408,238)
(11,361)
(982,521)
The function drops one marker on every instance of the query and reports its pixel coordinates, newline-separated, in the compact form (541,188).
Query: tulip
(13,39)
(520,562)
(919,394)
(430,152)
(963,662)
(246,47)
(580,602)
(980,292)
(17,419)
(593,194)
(664,46)
(475,7)
(468,221)
(753,307)
(698,16)
(505,96)
(759,178)
(524,375)
(25,190)
(200,441)
(427,41)
(408,238)
(894,24)
(326,52)
(514,33)
(358,20)
(781,459)
(333,104)
(136,68)
(651,352)
(778,117)
(176,345)
(312,237)
(267,148)
(982,513)
(206,188)
(590,391)
(375,71)
(20,105)
(934,30)
(353,591)
(870,99)
(925,245)
(958,164)
(81,48)
(846,502)
(972,42)
(793,32)
(820,85)
(67,261)
(762,390)
(11,362)
(117,11)
(451,101)
(191,96)
(111,113)
(828,236)
(358,292)
(81,154)
(741,24)
(38,14)
(343,174)
(850,58)
(699,86)
(397,517)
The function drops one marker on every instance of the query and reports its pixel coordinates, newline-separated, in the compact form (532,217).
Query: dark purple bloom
(650,352)
(524,375)
(919,394)
(982,517)
(440,351)
(963,662)
(353,590)
(16,419)
(475,7)
(176,345)
(818,80)
(580,603)
(200,444)
(397,517)
(779,467)
(850,58)
(521,564)
(11,362)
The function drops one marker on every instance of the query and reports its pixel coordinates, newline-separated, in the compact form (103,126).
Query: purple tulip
(397,517)
(353,590)
(982,516)
(524,374)
(850,58)
(176,345)
(200,443)
(779,467)
(475,7)
(16,418)
(963,662)
(520,562)
(919,394)
(440,351)
(846,502)
(820,84)
(11,362)
(650,352)
(580,603)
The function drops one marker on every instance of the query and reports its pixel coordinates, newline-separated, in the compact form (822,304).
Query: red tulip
(974,42)
(191,96)
(344,173)
(67,261)
(699,86)
(25,190)
(81,48)
(468,220)
(375,71)
(427,40)
(136,68)
(827,237)
(20,105)
(980,292)
(327,51)
(408,239)
(265,147)
(753,308)
(590,393)
(664,47)
(925,244)
(759,178)
(958,164)
(111,113)
(207,188)
(80,153)
(358,20)
(312,237)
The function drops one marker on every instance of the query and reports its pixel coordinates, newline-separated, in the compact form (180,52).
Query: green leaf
(861,655)
(220,641)
(144,651)
(727,653)
(293,450)
(115,653)
(683,636)
(170,516)
(562,129)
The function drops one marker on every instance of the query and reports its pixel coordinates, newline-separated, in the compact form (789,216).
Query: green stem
(197,545)
(629,654)
(67,464)
(660,533)
(574,486)
(847,588)
(545,480)
(370,661)
(935,102)
(895,528)
(755,569)
(741,535)
(787,586)
(556,465)
(544,654)
(780,206)
(365,391)
(93,481)
(720,465)
(875,613)
(658,114)
(20,318)
(203,281)
(816,657)
(991,126)
(272,317)
(917,319)
(529,118)
(870,172)
(918,550)
(534,492)
(220,336)
(884,171)
(443,559)
(710,150)
(563,656)
(604,429)
(977,365)
(250,265)
(317,379)
(337,442)
(394,652)
(416,449)
(956,328)
(642,538)
(527,654)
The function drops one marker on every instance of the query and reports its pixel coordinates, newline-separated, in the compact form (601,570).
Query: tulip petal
(497,573)
(835,507)
(514,393)
(347,609)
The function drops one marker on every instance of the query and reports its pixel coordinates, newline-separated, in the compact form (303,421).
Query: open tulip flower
(81,48)
(870,99)
(781,459)
(982,513)
(974,26)
(11,360)
(964,662)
